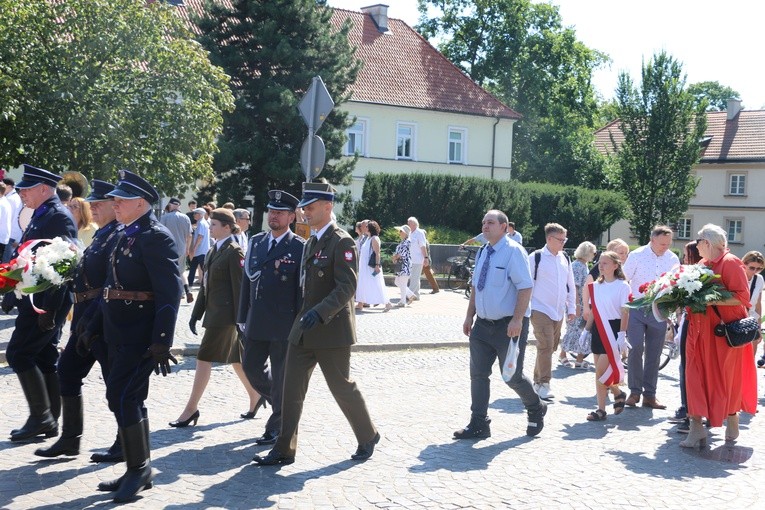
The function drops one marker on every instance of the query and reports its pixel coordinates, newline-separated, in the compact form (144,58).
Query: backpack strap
(751,287)
(537,260)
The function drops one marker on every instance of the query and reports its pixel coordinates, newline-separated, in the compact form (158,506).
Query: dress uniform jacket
(219,295)
(330,285)
(270,297)
(50,220)
(29,346)
(144,260)
(87,286)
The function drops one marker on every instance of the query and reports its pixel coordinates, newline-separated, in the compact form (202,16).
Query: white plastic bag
(511,360)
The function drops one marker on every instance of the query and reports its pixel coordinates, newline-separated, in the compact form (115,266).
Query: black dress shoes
(364,451)
(273,458)
(269,437)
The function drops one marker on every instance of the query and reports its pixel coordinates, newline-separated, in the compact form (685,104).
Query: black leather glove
(9,301)
(193,326)
(85,341)
(160,353)
(46,321)
(309,320)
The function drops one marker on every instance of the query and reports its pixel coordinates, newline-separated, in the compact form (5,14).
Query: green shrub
(451,207)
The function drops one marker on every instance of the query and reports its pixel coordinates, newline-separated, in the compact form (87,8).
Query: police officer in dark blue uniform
(269,302)
(32,351)
(78,358)
(139,305)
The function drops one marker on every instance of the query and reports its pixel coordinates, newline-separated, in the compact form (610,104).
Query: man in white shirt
(244,221)
(419,254)
(15,200)
(6,210)
(645,333)
(553,297)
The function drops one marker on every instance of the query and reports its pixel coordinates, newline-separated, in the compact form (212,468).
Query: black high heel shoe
(251,414)
(185,423)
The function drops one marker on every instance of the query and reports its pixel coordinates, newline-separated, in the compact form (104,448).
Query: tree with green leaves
(98,85)
(662,124)
(520,51)
(272,50)
(715,93)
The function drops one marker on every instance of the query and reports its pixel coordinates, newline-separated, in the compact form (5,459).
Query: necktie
(485,268)
(273,245)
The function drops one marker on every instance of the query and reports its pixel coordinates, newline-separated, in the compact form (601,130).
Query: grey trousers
(488,344)
(646,335)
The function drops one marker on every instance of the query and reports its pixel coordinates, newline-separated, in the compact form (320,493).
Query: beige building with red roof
(417,112)
(732,177)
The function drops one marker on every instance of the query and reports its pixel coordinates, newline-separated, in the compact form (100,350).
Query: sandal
(599,415)
(565,361)
(619,401)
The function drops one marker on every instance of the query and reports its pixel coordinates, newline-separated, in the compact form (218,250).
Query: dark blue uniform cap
(100,189)
(34,176)
(281,201)
(131,186)
(313,191)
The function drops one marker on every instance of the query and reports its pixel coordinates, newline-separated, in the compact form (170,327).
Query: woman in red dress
(720,380)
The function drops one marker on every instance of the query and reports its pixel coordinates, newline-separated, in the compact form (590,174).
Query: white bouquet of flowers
(51,265)
(693,286)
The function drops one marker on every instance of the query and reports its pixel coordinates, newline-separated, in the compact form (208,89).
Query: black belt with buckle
(496,321)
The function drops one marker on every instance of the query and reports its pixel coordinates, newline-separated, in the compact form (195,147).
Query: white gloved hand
(240,325)
(621,342)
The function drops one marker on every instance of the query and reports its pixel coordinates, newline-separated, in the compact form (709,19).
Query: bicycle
(459,273)
(671,350)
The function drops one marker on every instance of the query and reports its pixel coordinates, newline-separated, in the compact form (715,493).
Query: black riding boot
(71,430)
(54,394)
(113,454)
(114,485)
(135,445)
(40,419)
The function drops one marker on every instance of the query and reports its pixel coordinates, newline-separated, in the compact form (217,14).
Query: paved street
(417,398)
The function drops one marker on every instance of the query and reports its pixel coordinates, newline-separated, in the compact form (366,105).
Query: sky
(714,40)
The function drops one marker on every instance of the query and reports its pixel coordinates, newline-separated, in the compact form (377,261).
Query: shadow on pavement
(463,455)
(255,485)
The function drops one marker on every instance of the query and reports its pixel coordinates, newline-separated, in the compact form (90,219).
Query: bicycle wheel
(468,287)
(457,277)
(670,350)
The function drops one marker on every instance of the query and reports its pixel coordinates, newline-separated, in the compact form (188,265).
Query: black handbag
(738,333)
(372,259)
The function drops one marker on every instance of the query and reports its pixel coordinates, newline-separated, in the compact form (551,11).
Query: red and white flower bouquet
(693,286)
(51,264)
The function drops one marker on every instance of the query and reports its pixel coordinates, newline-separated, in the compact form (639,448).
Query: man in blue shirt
(500,299)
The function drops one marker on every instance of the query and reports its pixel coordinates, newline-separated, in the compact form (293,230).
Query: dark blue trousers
(128,383)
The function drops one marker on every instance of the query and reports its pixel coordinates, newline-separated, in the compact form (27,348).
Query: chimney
(379,13)
(734,106)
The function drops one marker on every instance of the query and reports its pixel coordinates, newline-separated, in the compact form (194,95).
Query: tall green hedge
(461,202)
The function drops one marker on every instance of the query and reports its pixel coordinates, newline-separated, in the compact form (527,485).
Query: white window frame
(681,234)
(738,176)
(363,147)
(728,222)
(462,143)
(412,142)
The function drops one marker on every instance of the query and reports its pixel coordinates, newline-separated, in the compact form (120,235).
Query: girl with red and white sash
(604,309)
